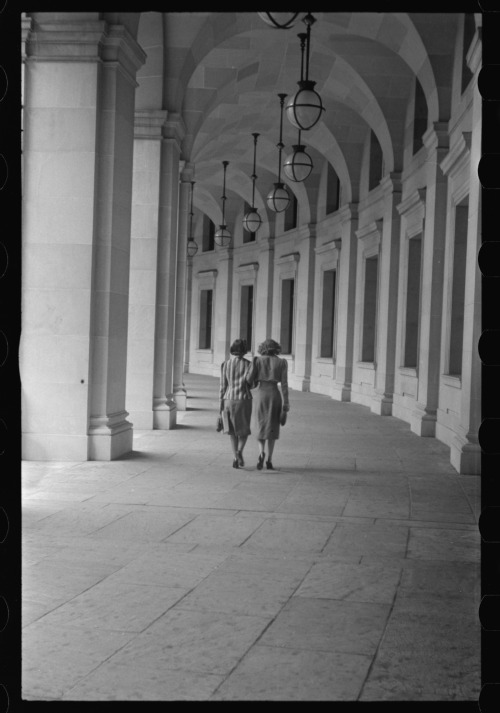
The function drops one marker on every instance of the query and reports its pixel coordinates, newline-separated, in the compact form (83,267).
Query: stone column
(180,393)
(304,307)
(341,388)
(143,255)
(423,418)
(78,145)
(465,448)
(110,434)
(189,302)
(264,292)
(385,353)
(164,406)
(222,305)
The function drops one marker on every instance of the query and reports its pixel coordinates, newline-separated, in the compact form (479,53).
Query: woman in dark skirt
(267,371)
(235,399)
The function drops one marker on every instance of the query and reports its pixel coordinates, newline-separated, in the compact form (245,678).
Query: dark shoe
(241,462)
(235,463)
(269,465)
(260,461)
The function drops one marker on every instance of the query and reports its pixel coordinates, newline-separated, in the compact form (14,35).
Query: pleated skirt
(236,417)
(267,403)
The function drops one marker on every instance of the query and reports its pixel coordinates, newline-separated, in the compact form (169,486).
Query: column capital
(73,39)
(224,253)
(266,244)
(437,137)
(148,124)
(25,30)
(307,231)
(347,212)
(174,127)
(118,46)
(391,183)
(186,172)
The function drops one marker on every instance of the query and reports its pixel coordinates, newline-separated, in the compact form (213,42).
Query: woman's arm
(223,385)
(284,384)
(251,375)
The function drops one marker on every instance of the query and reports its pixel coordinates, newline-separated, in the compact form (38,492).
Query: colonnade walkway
(350,573)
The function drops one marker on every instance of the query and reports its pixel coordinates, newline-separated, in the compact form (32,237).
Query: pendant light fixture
(192,247)
(280,20)
(304,109)
(278,198)
(298,165)
(223,237)
(252,220)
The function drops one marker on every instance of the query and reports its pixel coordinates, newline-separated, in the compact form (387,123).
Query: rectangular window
(328,314)
(376,163)
(205,341)
(208,234)
(458,288)
(419,117)
(370,310)
(332,190)
(246,315)
(413,301)
(287,290)
(291,214)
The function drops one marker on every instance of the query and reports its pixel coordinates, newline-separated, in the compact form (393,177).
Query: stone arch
(237,184)
(149,93)
(395,31)
(398,32)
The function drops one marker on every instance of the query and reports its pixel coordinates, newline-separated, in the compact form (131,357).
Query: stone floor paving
(351,573)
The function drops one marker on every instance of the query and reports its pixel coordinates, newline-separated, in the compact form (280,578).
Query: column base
(180,396)
(381,404)
(305,384)
(341,392)
(423,422)
(465,456)
(110,437)
(164,414)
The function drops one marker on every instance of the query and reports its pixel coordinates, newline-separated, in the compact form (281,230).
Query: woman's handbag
(220,424)
(283,418)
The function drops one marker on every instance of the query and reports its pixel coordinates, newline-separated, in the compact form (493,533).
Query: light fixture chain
(280,145)
(191,211)
(308,45)
(255,136)
(224,163)
(303,37)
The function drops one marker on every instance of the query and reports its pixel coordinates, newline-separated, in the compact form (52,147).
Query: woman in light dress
(270,406)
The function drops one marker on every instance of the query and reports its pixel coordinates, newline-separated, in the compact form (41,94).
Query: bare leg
(241,444)
(262,445)
(270,448)
(234,444)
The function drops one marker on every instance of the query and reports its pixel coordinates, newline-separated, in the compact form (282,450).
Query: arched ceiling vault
(222,72)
